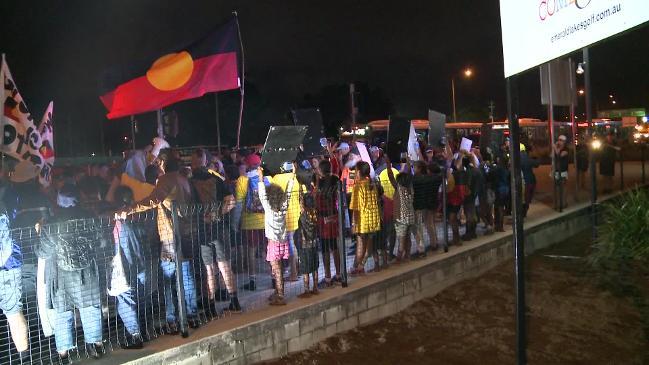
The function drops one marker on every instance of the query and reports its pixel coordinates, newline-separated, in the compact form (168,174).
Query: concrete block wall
(302,328)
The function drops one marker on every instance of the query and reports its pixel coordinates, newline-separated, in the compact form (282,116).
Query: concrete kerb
(364,302)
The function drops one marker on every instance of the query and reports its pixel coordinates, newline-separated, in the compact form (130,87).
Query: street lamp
(468,72)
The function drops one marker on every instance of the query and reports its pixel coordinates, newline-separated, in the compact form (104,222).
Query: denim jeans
(90,321)
(127,306)
(168,271)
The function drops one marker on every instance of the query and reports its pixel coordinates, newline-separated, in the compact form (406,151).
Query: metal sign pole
(589,118)
(518,236)
(444,212)
(218,122)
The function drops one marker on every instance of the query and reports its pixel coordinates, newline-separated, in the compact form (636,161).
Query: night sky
(409,50)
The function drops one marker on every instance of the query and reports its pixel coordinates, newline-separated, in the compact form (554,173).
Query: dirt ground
(570,321)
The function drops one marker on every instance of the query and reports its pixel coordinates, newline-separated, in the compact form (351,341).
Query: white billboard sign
(537,31)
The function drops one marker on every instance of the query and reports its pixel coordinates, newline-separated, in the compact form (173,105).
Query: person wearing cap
(292,215)
(528,164)
(252,215)
(338,156)
(560,150)
(376,155)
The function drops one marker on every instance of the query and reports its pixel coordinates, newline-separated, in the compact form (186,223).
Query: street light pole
(467,74)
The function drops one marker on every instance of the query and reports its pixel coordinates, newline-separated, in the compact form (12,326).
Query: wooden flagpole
(2,121)
(218,122)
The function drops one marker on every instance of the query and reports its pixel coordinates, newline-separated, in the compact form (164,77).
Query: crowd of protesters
(391,210)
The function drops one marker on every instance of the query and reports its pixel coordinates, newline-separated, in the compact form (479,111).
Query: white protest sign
(466,144)
(413,144)
(362,151)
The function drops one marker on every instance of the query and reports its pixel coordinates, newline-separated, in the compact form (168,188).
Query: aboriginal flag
(210,64)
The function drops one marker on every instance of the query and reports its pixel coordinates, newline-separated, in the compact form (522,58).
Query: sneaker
(234,306)
(251,286)
(133,342)
(95,350)
(171,328)
(193,322)
(64,358)
(278,301)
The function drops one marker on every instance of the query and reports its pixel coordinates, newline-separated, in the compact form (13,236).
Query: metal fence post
(342,250)
(180,285)
(444,213)
(642,148)
(621,157)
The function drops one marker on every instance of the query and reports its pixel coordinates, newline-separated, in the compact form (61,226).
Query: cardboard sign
(365,156)
(466,144)
(413,144)
(315,131)
(398,132)
(437,129)
(282,145)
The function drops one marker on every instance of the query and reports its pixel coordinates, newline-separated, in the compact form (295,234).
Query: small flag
(47,145)
(210,64)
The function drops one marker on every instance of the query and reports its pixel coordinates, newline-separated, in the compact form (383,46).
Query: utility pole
(492,106)
(352,103)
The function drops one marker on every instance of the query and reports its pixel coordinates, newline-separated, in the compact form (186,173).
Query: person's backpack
(253,203)
(74,250)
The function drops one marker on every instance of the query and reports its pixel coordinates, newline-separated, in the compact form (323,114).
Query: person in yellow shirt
(366,217)
(252,216)
(387,228)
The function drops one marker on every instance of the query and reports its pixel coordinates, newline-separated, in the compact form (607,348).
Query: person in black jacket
(501,186)
(72,274)
(475,185)
(528,164)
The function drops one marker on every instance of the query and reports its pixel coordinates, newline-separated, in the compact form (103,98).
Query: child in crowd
(404,213)
(308,231)
(366,217)
(327,190)
(275,203)
(309,261)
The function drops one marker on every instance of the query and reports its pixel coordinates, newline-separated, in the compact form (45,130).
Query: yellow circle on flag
(171,71)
